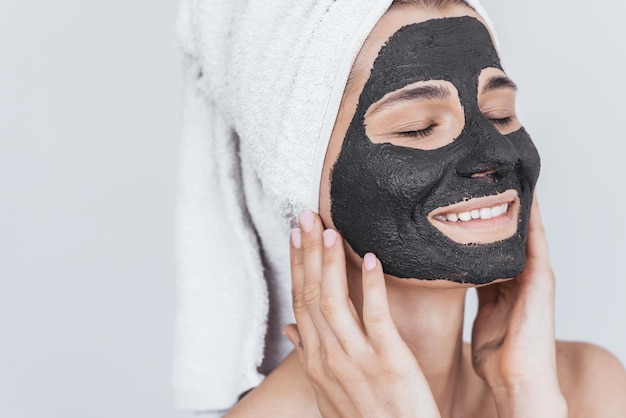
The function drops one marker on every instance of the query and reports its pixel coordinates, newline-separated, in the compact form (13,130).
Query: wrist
(536,401)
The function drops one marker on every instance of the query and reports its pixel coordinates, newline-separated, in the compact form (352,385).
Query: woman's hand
(356,369)
(513,343)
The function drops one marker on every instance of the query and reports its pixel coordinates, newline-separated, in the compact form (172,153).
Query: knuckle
(393,369)
(365,353)
(374,288)
(310,294)
(297,299)
(376,317)
(330,257)
(373,284)
(298,303)
(337,367)
(313,370)
(296,259)
(311,245)
(328,306)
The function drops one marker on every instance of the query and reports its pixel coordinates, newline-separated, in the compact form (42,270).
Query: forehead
(455,49)
(393,21)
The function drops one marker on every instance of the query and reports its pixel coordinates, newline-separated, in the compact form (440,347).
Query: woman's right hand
(513,343)
(356,369)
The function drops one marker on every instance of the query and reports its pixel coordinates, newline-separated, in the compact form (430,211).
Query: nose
(493,158)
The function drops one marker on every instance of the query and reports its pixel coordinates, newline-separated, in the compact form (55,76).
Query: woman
(380,333)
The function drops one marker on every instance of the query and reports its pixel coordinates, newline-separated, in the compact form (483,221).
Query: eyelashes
(502,121)
(422,133)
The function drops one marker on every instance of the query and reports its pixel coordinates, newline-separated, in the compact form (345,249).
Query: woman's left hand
(513,342)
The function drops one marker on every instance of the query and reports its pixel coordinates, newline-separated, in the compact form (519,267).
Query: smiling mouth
(481,220)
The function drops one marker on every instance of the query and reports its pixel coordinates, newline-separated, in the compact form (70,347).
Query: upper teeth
(482,213)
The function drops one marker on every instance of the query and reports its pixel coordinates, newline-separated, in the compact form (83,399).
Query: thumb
(291,332)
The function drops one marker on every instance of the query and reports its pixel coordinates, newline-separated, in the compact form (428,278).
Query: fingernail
(295,238)
(370,261)
(306,220)
(329,236)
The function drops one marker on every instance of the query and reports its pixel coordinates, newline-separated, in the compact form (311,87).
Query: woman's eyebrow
(427,92)
(498,82)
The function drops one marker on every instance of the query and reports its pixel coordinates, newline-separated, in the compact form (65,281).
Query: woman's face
(428,166)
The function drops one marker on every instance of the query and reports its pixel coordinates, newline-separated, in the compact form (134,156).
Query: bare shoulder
(285,392)
(592,379)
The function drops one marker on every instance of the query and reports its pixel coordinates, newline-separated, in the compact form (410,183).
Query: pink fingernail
(370,261)
(329,236)
(295,238)
(306,220)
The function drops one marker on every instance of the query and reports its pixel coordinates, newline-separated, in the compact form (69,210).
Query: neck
(430,320)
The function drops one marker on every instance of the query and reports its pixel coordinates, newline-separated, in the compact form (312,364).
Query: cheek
(384,181)
(407,175)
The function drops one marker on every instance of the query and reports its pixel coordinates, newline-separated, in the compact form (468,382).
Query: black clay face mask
(383,194)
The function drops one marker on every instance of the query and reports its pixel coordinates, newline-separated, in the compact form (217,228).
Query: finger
(312,253)
(487,294)
(291,332)
(537,244)
(335,303)
(537,282)
(376,316)
(538,272)
(301,312)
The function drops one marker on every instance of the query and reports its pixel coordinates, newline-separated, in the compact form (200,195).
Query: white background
(89,128)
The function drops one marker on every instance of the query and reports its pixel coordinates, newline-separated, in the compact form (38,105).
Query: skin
(370,344)
(391,187)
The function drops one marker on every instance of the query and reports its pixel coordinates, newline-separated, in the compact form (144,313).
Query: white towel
(263,83)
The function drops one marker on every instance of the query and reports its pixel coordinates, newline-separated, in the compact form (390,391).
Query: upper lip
(476,203)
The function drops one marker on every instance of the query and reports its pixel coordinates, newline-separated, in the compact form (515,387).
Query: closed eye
(502,121)
(422,133)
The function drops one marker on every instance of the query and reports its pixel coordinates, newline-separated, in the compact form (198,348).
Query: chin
(440,283)
(459,264)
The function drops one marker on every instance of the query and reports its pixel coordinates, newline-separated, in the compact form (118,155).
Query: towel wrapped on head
(263,84)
